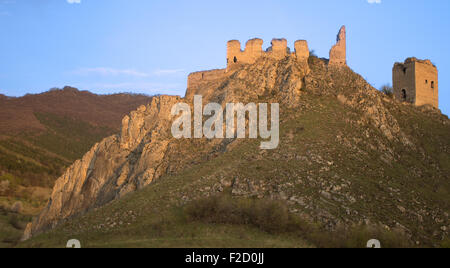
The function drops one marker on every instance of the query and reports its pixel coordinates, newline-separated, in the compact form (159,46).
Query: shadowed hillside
(352,163)
(41,135)
(18,114)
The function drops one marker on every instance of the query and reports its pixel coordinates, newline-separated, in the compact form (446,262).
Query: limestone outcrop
(145,150)
(112,168)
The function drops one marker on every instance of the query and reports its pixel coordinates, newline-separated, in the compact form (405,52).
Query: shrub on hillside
(388,90)
(274,217)
(4,187)
(270,216)
(14,221)
(17,207)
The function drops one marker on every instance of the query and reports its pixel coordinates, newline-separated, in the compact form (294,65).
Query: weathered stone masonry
(338,53)
(254,50)
(416,81)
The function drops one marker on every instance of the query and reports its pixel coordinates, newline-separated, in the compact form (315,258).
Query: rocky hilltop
(348,154)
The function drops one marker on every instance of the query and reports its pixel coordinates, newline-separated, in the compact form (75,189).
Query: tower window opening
(404,96)
(432,84)
(235,60)
(426,82)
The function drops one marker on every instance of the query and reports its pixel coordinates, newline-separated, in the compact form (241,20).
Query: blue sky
(144,46)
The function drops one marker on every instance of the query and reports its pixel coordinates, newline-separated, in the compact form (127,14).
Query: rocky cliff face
(144,151)
(116,166)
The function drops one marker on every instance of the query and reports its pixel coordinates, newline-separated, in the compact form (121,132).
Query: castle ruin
(338,53)
(254,50)
(416,81)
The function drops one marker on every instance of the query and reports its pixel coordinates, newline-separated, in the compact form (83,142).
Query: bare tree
(388,90)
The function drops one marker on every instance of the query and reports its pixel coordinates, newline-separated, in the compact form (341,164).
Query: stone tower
(338,53)
(416,81)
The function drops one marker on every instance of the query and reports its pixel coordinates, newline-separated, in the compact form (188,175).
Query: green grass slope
(41,135)
(339,193)
(352,165)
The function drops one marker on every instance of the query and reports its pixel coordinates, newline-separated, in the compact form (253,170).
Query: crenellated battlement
(253,51)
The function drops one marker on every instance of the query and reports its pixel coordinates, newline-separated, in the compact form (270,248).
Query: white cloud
(110,72)
(135,86)
(374,1)
(103,71)
(74,1)
(167,72)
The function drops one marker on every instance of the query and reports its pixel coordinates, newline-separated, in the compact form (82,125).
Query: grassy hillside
(38,141)
(11,227)
(329,191)
(352,165)
(30,163)
(36,160)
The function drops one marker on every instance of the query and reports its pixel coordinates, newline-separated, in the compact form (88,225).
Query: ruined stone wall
(302,51)
(197,79)
(253,51)
(235,56)
(403,81)
(338,53)
(194,79)
(233,52)
(279,49)
(427,88)
(419,80)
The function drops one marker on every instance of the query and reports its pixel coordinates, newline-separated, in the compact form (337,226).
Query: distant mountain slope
(42,134)
(348,156)
(18,114)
